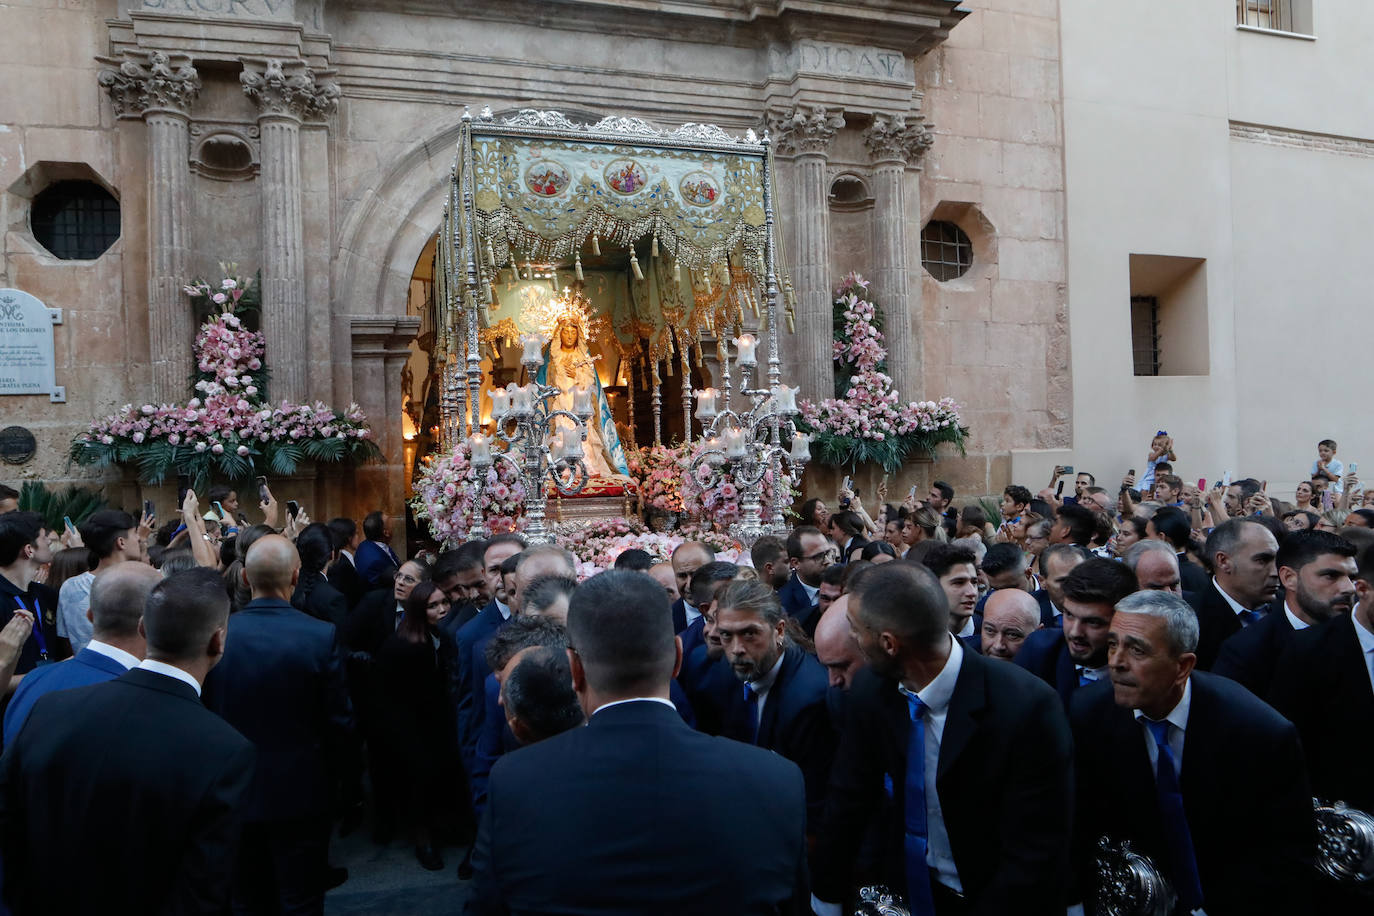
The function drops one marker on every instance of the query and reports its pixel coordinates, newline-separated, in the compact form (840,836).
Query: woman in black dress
(413,715)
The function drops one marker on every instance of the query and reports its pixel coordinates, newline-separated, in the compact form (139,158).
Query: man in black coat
(1317,569)
(1245,581)
(281,684)
(687,558)
(979,822)
(1192,769)
(809,552)
(777,697)
(342,574)
(614,817)
(127,796)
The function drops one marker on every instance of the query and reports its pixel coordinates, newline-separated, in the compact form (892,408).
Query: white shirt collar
(811,593)
(149,664)
(1235,605)
(937,694)
(126,659)
(347,555)
(1178,716)
(503,608)
(1366,638)
(1297,622)
(765,683)
(967,630)
(667,703)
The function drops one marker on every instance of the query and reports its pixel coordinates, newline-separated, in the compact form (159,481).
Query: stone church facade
(313,140)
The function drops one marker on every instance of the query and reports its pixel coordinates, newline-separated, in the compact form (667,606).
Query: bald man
(663,574)
(281,684)
(1009,616)
(116,607)
(687,559)
(835,645)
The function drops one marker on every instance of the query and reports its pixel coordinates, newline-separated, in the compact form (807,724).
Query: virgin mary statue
(570,363)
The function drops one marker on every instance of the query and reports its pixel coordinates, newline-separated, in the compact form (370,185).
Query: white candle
(785,399)
(556,446)
(500,402)
(713,444)
(746,344)
(801,448)
(481,450)
(706,405)
(572,445)
(734,443)
(521,403)
(582,400)
(534,347)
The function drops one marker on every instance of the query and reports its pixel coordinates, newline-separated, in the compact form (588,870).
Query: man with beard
(777,699)
(1317,569)
(1243,584)
(769,556)
(962,766)
(1076,655)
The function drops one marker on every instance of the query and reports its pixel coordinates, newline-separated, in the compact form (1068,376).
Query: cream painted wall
(1152,167)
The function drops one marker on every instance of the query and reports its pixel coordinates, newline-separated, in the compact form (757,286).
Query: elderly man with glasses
(809,552)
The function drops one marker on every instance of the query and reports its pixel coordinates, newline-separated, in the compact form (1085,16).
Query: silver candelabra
(535,444)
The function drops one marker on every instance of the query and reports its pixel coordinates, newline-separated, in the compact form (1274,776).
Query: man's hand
(1259,504)
(16,632)
(146,525)
(1128,482)
(71,538)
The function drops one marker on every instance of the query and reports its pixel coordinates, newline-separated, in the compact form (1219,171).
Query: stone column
(380,347)
(895,144)
(160,89)
(286,94)
(804,135)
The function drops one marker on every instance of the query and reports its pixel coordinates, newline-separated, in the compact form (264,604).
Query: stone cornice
(804,130)
(287,89)
(892,138)
(140,82)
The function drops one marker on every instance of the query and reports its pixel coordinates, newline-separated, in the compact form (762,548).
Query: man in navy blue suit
(809,552)
(117,598)
(281,684)
(1076,655)
(1194,771)
(375,561)
(1056,562)
(706,584)
(479,629)
(777,698)
(687,559)
(134,773)
(603,819)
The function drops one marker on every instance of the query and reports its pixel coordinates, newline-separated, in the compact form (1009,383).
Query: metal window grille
(1266,14)
(946,251)
(75,220)
(1145,334)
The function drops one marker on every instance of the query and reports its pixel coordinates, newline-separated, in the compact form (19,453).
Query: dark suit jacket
(798,604)
(1321,683)
(1046,655)
(1005,780)
(371,622)
(470,705)
(1193,577)
(143,781)
(795,722)
(1249,656)
(693,636)
(344,577)
(1245,792)
(609,819)
(281,684)
(376,563)
(1042,598)
(320,600)
(84,669)
(1217,622)
(679,616)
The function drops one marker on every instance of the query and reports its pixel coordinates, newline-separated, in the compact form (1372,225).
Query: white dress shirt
(128,660)
(762,686)
(937,696)
(811,593)
(667,703)
(692,614)
(172,671)
(1297,622)
(1366,646)
(1178,718)
(503,608)
(1236,605)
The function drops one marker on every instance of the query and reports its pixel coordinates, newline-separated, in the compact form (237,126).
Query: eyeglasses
(823,555)
(407,579)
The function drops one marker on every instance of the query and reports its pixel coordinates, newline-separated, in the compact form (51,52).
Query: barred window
(1276,15)
(75,220)
(946,251)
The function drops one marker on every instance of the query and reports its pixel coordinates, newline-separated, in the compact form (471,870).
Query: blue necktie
(1083,679)
(1248,617)
(753,709)
(919,899)
(1183,861)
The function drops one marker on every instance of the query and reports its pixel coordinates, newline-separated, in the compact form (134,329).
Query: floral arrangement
(658,472)
(869,422)
(228,429)
(443,497)
(721,504)
(595,545)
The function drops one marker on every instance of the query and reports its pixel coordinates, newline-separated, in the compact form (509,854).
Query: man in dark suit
(281,684)
(1056,562)
(479,630)
(342,574)
(135,774)
(1244,584)
(580,822)
(1076,655)
(460,573)
(1171,526)
(808,553)
(687,558)
(1192,769)
(706,584)
(1318,572)
(375,561)
(777,698)
(962,762)
(117,598)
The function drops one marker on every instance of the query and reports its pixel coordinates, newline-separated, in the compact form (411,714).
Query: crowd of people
(956,707)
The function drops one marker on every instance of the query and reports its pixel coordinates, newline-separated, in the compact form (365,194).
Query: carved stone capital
(804,129)
(892,138)
(288,89)
(143,81)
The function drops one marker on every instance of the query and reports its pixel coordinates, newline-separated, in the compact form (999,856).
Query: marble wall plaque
(27,363)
